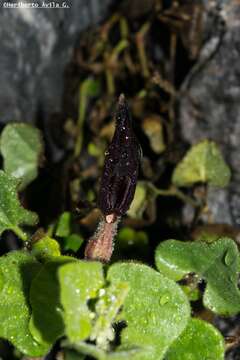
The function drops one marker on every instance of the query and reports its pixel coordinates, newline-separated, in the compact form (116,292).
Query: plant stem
(141,49)
(22,235)
(173,191)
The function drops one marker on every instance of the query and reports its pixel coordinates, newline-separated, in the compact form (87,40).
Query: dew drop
(164,299)
(106,153)
(102,292)
(113,298)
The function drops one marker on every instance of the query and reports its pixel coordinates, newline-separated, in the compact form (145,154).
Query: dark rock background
(209,102)
(36,45)
(209,107)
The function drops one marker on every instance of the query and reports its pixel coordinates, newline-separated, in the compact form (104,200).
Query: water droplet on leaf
(164,299)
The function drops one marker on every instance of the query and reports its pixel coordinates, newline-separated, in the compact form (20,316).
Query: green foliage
(45,248)
(21,147)
(72,242)
(69,241)
(156,310)
(47,323)
(217,263)
(64,225)
(79,282)
(128,236)
(12,214)
(203,163)
(45,296)
(139,202)
(107,308)
(89,88)
(17,270)
(198,341)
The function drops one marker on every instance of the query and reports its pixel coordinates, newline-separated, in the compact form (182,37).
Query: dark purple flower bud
(120,171)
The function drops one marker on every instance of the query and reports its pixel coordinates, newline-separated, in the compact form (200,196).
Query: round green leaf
(202,163)
(200,340)
(17,270)
(217,263)
(21,147)
(156,310)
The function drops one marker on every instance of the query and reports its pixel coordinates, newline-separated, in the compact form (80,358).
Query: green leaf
(72,242)
(107,308)
(202,163)
(128,237)
(131,244)
(17,269)
(12,214)
(79,282)
(97,353)
(64,225)
(154,130)
(45,248)
(200,340)
(156,310)
(217,263)
(90,87)
(139,201)
(72,355)
(47,323)
(21,147)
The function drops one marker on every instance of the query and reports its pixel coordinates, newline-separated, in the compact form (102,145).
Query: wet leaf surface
(46,248)
(217,263)
(17,270)
(156,310)
(200,340)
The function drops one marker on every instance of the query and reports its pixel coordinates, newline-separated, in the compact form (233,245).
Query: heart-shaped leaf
(17,270)
(21,147)
(217,263)
(156,310)
(202,163)
(200,340)
(12,214)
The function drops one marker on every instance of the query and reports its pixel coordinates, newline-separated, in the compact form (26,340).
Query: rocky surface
(209,105)
(36,44)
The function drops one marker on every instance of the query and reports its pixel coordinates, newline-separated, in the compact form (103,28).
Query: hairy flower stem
(100,245)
